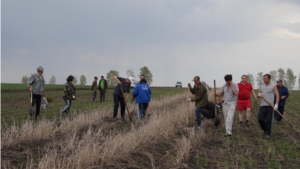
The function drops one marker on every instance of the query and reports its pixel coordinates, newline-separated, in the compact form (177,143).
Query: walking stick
(216,120)
(188,105)
(130,118)
(277,111)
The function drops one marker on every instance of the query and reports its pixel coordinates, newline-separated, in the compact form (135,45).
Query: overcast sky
(175,39)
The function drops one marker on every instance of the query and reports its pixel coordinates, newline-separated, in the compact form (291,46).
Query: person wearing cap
(230,92)
(35,85)
(283,95)
(122,87)
(200,99)
(142,93)
(102,87)
(268,91)
(244,102)
(94,88)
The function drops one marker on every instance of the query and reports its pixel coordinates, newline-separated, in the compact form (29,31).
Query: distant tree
(130,73)
(52,80)
(259,79)
(82,80)
(250,79)
(147,73)
(290,79)
(299,82)
(75,81)
(109,77)
(24,80)
(281,74)
(273,74)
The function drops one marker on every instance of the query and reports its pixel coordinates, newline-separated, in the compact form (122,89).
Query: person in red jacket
(244,102)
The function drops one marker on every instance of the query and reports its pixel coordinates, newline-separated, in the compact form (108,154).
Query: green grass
(14,104)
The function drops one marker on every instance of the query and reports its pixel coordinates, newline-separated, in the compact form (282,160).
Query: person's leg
(240,109)
(229,120)
(122,103)
(69,107)
(101,95)
(269,111)
(116,104)
(103,98)
(281,110)
(198,116)
(262,118)
(248,110)
(38,99)
(225,113)
(138,111)
(64,110)
(144,109)
(94,95)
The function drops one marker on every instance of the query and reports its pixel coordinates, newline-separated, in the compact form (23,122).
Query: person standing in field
(268,91)
(102,87)
(94,88)
(69,95)
(230,92)
(200,99)
(122,87)
(283,95)
(244,101)
(35,85)
(142,93)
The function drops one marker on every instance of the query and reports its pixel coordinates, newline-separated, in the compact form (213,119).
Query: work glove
(188,99)
(259,94)
(276,107)
(189,85)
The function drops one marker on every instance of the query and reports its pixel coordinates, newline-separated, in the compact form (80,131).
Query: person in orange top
(244,101)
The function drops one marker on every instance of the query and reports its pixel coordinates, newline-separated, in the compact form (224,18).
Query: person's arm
(209,88)
(192,90)
(286,94)
(254,95)
(198,95)
(105,84)
(117,80)
(276,94)
(234,88)
(29,83)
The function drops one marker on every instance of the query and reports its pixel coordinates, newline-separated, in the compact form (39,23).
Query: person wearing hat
(102,87)
(35,85)
(269,92)
(94,88)
(283,95)
(200,99)
(230,92)
(122,87)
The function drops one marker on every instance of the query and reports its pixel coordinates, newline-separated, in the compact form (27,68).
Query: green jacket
(200,93)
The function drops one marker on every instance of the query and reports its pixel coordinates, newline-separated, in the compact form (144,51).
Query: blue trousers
(66,109)
(276,115)
(198,115)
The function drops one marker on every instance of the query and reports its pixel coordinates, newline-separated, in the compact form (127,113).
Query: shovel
(217,119)
(31,108)
(129,114)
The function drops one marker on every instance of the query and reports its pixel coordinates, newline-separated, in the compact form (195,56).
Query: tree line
(109,77)
(288,78)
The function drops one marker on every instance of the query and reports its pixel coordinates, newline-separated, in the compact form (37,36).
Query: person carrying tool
(268,91)
(94,88)
(69,95)
(244,101)
(230,92)
(142,94)
(122,86)
(102,87)
(200,99)
(283,95)
(35,85)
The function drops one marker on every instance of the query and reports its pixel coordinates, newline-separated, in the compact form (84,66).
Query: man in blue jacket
(142,95)
(283,95)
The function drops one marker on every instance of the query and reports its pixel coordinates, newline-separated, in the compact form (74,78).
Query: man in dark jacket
(200,99)
(94,88)
(283,95)
(102,87)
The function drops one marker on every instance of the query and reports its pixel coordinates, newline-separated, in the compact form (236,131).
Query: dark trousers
(94,95)
(198,115)
(265,118)
(36,98)
(276,115)
(207,114)
(102,95)
(119,99)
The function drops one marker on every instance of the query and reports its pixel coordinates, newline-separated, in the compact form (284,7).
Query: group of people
(237,96)
(142,93)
